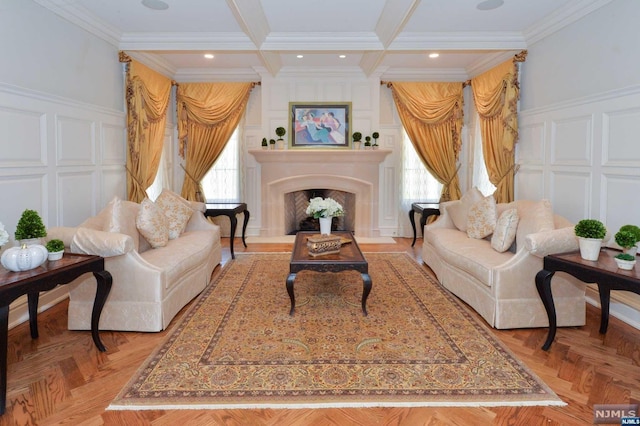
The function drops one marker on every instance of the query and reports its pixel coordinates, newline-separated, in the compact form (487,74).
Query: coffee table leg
(412,219)
(605,299)
(543,285)
(290,279)
(244,226)
(366,289)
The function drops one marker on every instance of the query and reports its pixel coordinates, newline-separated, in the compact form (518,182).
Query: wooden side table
(425,210)
(43,278)
(604,272)
(230,210)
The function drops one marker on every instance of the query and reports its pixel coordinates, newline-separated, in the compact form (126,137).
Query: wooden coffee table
(350,258)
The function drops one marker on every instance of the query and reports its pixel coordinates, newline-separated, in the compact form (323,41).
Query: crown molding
(189,75)
(459,41)
(427,74)
(489,61)
(322,41)
(186,41)
(80,17)
(155,62)
(314,72)
(566,15)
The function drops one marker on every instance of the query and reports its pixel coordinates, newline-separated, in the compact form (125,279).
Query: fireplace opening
(296,218)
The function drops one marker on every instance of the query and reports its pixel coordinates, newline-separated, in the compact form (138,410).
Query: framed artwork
(319,124)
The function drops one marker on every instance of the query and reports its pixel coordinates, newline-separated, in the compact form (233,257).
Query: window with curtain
(417,183)
(480,176)
(221,184)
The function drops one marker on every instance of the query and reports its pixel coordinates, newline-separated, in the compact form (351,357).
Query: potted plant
(280,131)
(626,234)
(590,233)
(272,144)
(625,261)
(375,136)
(357,140)
(55,248)
(30,227)
(265,144)
(367,142)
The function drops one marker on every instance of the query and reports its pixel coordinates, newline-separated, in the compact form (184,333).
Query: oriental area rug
(238,347)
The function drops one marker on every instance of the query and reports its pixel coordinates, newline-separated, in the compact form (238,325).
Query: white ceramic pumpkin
(24,257)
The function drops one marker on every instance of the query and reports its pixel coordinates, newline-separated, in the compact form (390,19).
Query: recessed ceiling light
(300,56)
(208,55)
(434,55)
(489,4)
(155,4)
(342,56)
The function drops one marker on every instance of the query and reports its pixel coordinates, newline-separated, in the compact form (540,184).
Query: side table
(604,272)
(230,210)
(43,278)
(425,210)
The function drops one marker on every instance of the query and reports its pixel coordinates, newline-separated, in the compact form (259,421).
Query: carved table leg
(104,281)
(290,279)
(543,284)
(366,289)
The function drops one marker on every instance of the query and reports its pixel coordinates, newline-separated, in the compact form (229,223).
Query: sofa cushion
(180,255)
(473,256)
(505,232)
(177,210)
(123,219)
(535,216)
(481,219)
(459,211)
(152,224)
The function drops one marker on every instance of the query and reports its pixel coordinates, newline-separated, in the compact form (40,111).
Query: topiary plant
(357,136)
(625,239)
(590,228)
(30,226)
(367,141)
(280,131)
(264,142)
(633,229)
(55,245)
(624,256)
(375,136)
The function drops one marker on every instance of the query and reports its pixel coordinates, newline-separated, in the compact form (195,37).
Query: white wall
(62,125)
(579,125)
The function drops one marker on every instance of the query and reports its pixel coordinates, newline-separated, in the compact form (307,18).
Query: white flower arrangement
(4,235)
(324,207)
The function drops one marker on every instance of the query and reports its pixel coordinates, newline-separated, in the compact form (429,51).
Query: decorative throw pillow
(481,219)
(152,224)
(123,219)
(459,211)
(176,209)
(535,216)
(505,232)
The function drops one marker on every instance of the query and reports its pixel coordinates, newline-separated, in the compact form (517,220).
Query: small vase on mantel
(325,225)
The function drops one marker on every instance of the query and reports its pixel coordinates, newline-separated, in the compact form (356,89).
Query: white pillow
(535,216)
(123,219)
(505,231)
(152,224)
(177,210)
(459,211)
(481,219)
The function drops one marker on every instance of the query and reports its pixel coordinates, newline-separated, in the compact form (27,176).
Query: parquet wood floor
(61,378)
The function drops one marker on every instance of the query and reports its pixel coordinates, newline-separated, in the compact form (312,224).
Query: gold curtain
(147,94)
(431,113)
(496,93)
(208,113)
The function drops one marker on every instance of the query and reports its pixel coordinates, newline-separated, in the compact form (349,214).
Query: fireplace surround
(353,171)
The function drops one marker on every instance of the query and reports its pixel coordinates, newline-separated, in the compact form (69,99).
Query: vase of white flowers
(324,209)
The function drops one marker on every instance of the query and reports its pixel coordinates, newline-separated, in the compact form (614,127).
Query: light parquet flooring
(61,378)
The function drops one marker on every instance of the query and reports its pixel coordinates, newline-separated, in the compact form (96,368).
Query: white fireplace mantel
(354,171)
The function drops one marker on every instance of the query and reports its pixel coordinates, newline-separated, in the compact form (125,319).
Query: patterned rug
(237,346)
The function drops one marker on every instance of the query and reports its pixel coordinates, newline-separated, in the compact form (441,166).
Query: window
(417,183)
(480,176)
(221,184)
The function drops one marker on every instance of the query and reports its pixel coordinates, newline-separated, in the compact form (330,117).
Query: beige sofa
(500,285)
(150,285)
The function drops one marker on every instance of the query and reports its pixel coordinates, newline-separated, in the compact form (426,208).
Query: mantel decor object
(320,245)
